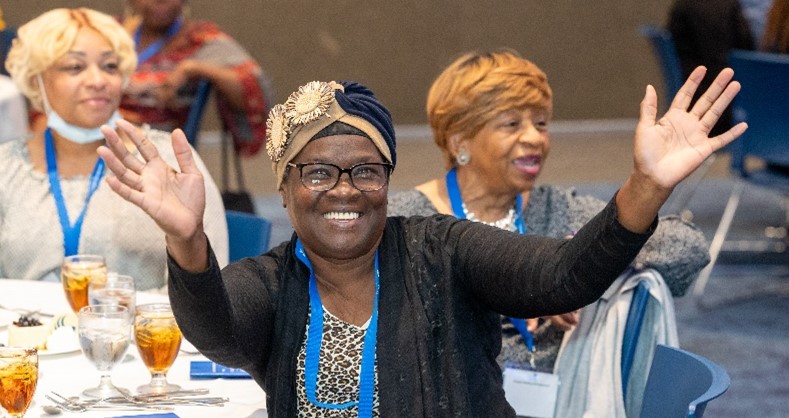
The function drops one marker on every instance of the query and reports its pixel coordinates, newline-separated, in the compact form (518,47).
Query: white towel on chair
(589,362)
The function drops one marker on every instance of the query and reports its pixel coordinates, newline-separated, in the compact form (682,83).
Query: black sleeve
(529,276)
(227,315)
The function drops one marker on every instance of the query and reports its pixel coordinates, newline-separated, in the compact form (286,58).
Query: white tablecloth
(70,373)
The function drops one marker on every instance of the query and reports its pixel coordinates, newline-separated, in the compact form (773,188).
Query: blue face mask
(71,132)
(78,134)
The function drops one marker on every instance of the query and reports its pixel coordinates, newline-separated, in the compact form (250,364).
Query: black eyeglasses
(320,177)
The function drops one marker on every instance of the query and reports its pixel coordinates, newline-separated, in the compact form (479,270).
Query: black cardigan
(439,330)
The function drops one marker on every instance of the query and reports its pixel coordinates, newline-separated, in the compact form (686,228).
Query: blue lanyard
(71,232)
(456,200)
(157,45)
(315,338)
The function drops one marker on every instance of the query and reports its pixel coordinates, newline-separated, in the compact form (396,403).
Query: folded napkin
(167,415)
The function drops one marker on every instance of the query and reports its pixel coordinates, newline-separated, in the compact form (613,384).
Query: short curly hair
(45,39)
(479,85)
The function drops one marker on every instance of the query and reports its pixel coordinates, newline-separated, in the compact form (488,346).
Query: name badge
(531,394)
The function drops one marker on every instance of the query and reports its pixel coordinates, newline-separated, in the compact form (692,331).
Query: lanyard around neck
(157,45)
(456,200)
(315,338)
(71,232)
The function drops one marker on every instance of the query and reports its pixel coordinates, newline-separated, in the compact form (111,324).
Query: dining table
(68,372)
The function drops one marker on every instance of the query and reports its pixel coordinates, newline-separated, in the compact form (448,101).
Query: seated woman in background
(174,53)
(72,64)
(490,115)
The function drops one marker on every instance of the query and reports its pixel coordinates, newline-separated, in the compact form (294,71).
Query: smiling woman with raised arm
(72,64)
(393,317)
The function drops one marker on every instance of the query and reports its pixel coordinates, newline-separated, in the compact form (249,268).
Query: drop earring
(463,157)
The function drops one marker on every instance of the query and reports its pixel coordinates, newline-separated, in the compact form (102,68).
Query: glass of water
(117,289)
(104,334)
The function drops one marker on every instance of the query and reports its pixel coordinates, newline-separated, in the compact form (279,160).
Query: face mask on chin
(69,131)
(78,134)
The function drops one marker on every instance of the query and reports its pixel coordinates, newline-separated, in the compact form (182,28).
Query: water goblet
(158,340)
(104,335)
(76,273)
(117,289)
(18,379)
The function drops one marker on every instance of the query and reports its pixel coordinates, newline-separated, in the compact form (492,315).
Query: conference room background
(596,61)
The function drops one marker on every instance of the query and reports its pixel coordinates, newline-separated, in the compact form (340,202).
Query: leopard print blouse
(338,371)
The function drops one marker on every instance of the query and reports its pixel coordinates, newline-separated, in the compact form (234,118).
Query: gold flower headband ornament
(316,105)
(307,104)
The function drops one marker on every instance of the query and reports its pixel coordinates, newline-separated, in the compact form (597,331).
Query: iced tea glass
(76,273)
(18,379)
(104,334)
(158,340)
(117,289)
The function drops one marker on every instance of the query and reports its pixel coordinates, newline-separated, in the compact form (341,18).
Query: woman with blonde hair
(72,64)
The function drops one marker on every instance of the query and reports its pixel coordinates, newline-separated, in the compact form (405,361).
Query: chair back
(666,53)
(248,234)
(7,36)
(196,112)
(680,384)
(635,318)
(763,102)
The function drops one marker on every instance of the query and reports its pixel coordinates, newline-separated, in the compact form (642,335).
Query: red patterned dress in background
(200,41)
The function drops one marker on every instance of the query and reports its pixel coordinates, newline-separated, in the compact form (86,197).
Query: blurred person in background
(175,52)
(72,65)
(704,32)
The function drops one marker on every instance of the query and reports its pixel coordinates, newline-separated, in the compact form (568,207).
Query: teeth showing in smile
(343,216)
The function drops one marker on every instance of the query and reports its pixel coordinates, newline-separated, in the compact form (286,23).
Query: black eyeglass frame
(387,166)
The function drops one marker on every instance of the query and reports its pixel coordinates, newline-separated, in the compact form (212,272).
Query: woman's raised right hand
(175,200)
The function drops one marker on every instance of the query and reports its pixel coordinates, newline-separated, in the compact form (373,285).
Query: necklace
(507,222)
(512,222)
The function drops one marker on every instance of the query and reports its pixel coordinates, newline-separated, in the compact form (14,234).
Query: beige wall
(595,60)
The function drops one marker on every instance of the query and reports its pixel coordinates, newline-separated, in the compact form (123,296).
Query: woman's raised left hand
(668,149)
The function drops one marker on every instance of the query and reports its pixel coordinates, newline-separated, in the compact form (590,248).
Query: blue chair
(666,54)
(680,384)
(762,103)
(668,58)
(195,116)
(248,234)
(635,318)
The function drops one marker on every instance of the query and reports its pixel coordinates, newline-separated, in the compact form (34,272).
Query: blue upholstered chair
(248,234)
(6,37)
(665,53)
(680,384)
(763,103)
(196,112)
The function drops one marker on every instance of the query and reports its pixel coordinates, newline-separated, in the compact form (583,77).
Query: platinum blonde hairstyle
(47,38)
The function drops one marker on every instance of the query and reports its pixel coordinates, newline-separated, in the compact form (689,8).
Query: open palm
(175,200)
(668,149)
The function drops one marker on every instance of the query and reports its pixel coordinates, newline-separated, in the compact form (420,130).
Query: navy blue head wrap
(360,101)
